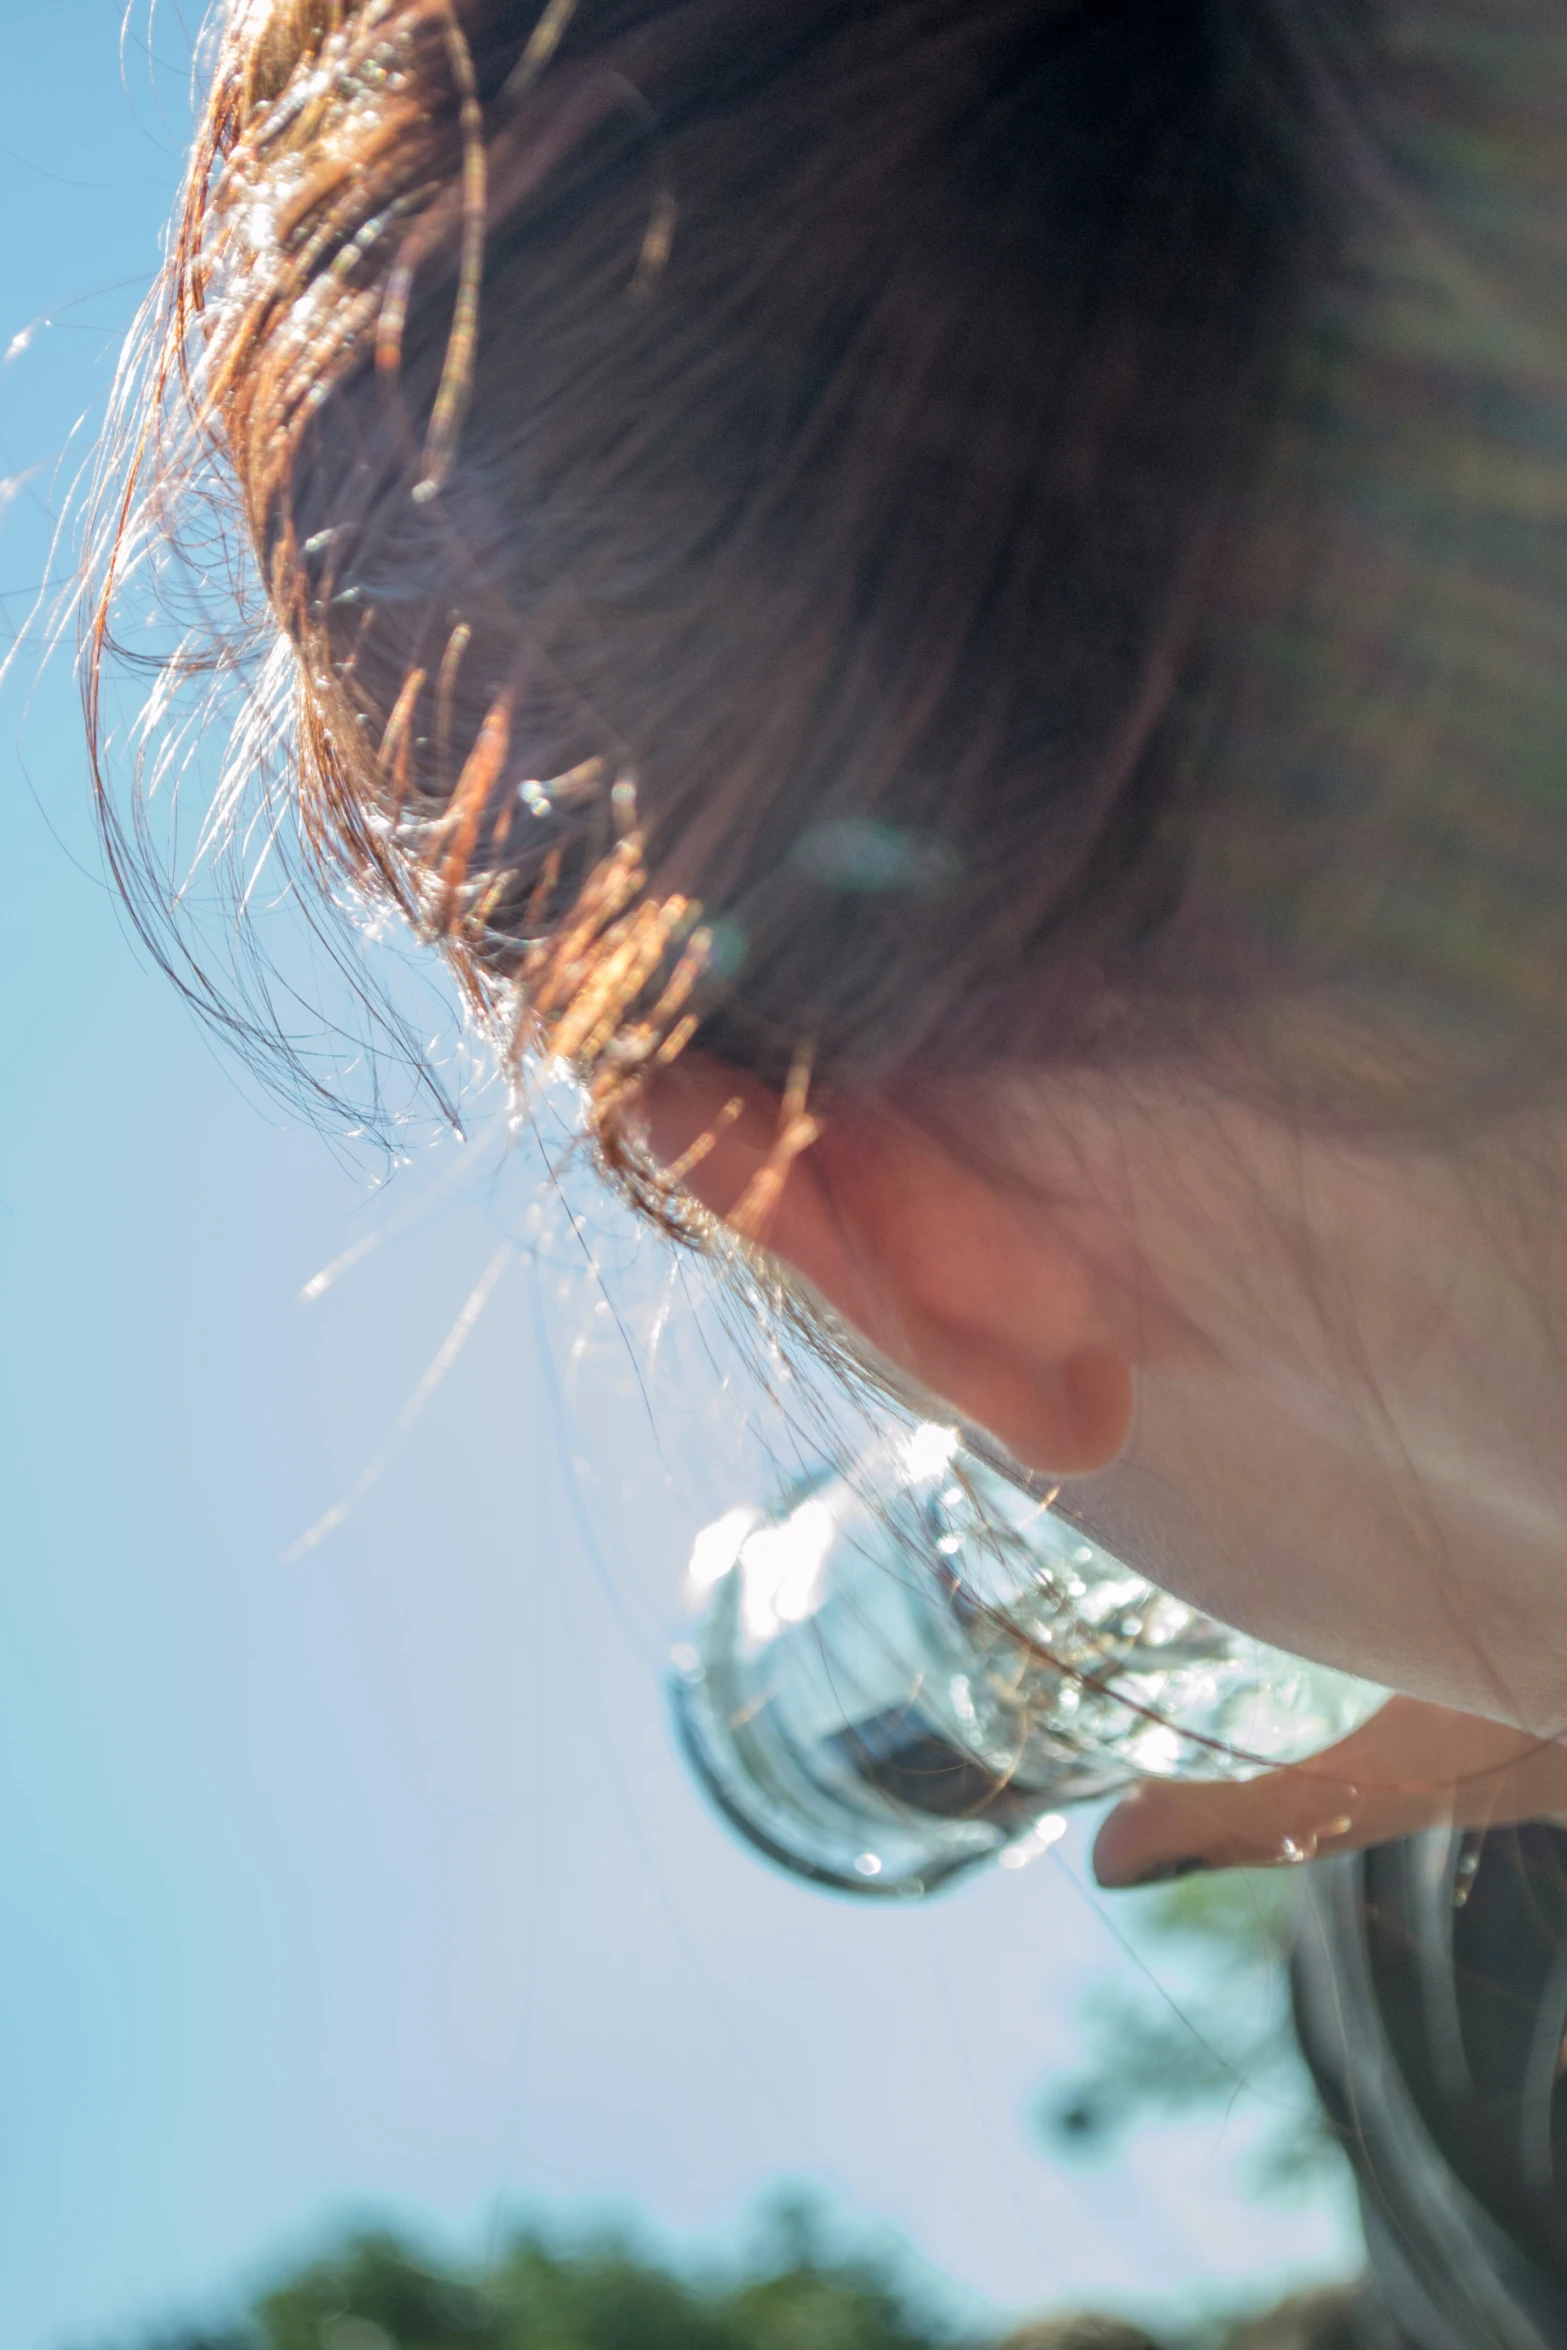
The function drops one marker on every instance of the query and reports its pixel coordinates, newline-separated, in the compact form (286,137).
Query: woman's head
(1040,518)
(994,476)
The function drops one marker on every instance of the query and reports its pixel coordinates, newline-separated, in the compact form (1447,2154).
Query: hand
(1411,1766)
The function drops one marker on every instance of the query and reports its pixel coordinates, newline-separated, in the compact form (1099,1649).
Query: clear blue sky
(370,1882)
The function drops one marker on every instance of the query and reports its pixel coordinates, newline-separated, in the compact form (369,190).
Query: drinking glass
(913,1663)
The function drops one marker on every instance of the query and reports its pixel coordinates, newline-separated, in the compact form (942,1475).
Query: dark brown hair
(1019,510)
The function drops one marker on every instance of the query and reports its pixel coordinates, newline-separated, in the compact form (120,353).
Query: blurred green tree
(377,2291)
(1209,2031)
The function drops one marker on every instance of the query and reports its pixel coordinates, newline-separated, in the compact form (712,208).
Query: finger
(1411,1767)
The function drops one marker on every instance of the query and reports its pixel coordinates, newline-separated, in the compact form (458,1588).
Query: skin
(1315,1387)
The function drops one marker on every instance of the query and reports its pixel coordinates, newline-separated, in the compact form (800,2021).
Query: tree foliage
(1210,2033)
(378,2291)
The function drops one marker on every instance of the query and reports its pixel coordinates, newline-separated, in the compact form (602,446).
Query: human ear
(978,1294)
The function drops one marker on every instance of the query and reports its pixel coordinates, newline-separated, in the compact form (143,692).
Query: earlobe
(1083,1423)
(975,1294)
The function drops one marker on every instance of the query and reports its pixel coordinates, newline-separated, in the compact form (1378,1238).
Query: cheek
(1264,1523)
